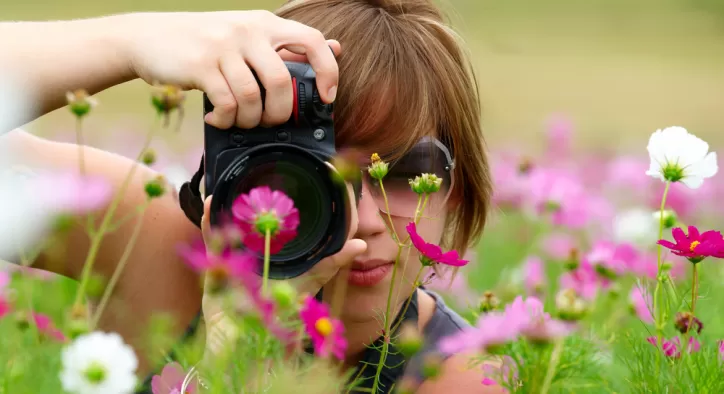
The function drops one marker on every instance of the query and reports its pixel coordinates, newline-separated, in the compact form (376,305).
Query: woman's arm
(457,376)
(209,51)
(48,59)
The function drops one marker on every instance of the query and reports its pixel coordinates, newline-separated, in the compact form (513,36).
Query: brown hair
(402,68)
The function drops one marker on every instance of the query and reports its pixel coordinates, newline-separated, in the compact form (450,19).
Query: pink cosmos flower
(46,327)
(695,246)
(73,193)
(4,280)
(560,130)
(227,264)
(629,172)
(534,274)
(171,381)
(640,301)
(558,246)
(583,280)
(431,253)
(327,333)
(262,208)
(672,348)
(510,176)
(560,196)
(4,307)
(612,260)
(721,350)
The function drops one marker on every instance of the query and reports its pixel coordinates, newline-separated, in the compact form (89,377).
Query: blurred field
(619,68)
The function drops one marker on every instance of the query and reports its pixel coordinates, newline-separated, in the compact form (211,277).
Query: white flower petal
(675,146)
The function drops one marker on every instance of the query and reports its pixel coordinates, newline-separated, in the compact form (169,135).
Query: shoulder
(457,372)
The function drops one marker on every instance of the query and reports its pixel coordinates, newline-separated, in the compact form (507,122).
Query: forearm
(48,59)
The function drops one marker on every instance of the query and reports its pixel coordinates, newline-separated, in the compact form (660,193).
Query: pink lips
(369,273)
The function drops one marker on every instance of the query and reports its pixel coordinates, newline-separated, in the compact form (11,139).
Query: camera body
(293,158)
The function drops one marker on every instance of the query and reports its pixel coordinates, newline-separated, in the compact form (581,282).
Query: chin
(363,304)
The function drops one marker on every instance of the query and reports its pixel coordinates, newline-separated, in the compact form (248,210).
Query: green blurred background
(619,68)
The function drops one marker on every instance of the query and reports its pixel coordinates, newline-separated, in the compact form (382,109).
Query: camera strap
(190,196)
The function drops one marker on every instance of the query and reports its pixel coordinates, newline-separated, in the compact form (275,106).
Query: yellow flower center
(694,245)
(375,157)
(323,326)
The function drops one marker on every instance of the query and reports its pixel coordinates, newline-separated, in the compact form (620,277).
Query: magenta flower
(534,274)
(327,333)
(263,209)
(47,328)
(223,266)
(721,350)
(672,348)
(640,301)
(431,253)
(4,307)
(695,246)
(171,381)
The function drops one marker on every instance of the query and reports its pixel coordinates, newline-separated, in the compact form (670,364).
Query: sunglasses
(429,155)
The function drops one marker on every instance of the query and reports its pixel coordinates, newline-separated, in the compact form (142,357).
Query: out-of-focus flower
(629,172)
(166,98)
(570,306)
(80,102)
(263,210)
(559,196)
(685,321)
(326,332)
(560,131)
(431,253)
(534,275)
(640,301)
(558,245)
(499,373)
(584,280)
(510,175)
(678,156)
(636,226)
(672,348)
(99,363)
(695,246)
(171,381)
(46,327)
(611,260)
(221,266)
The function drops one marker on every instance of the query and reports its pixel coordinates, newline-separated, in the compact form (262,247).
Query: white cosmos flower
(678,156)
(99,363)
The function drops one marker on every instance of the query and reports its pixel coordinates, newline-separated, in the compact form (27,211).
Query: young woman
(400,78)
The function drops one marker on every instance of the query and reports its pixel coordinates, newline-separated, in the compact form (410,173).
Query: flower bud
(685,321)
(267,221)
(166,98)
(284,294)
(669,218)
(76,327)
(148,157)
(410,341)
(525,166)
(426,183)
(378,169)
(569,306)
(80,102)
(156,187)
(488,302)
(431,366)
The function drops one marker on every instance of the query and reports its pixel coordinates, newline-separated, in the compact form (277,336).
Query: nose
(370,220)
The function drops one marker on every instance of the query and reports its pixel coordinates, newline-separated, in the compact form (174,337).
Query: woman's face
(370,277)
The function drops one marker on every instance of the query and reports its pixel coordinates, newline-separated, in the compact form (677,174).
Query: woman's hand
(216,51)
(220,329)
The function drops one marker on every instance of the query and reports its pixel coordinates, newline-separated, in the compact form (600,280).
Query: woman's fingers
(296,53)
(245,89)
(214,84)
(276,80)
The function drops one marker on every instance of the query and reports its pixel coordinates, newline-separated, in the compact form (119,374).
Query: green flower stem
(120,267)
(267,257)
(552,365)
(409,299)
(79,142)
(106,222)
(387,209)
(660,315)
(388,322)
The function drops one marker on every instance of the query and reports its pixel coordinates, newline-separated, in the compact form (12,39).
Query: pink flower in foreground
(4,307)
(46,327)
(171,381)
(559,246)
(73,193)
(640,301)
(534,274)
(326,332)
(611,260)
(695,246)
(4,280)
(510,176)
(672,348)
(227,264)
(431,253)
(263,209)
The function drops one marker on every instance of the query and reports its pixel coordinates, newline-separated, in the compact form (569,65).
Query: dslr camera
(292,158)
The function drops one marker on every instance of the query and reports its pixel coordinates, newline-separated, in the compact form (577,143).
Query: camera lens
(300,180)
